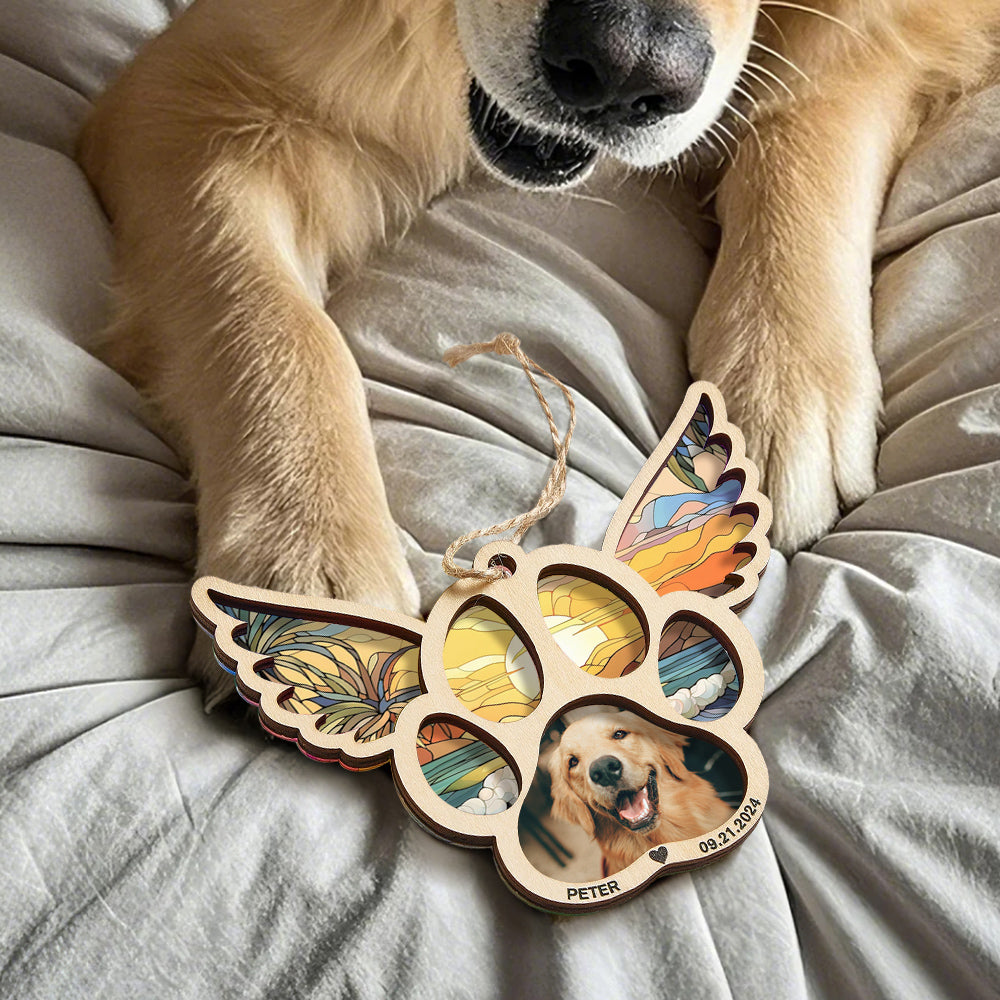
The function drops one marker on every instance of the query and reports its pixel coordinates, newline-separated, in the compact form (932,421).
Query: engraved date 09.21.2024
(740,823)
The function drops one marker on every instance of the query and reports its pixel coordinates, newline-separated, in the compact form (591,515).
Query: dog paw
(365,565)
(810,419)
(817,459)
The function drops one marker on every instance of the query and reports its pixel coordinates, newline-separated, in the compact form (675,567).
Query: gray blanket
(149,850)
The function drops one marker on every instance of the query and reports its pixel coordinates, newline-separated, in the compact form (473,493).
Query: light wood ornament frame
(564,684)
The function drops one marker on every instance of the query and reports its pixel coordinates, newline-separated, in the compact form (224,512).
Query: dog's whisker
(818,13)
(722,151)
(775,25)
(484,113)
(514,137)
(754,68)
(592,199)
(492,114)
(720,146)
(758,79)
(719,125)
(749,97)
(784,59)
(750,125)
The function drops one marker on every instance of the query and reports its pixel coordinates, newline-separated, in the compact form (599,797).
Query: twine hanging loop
(554,489)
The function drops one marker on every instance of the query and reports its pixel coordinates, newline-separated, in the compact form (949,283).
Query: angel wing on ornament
(463,705)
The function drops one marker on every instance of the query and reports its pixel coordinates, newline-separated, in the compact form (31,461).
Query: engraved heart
(659,855)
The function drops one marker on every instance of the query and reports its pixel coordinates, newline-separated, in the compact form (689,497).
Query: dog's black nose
(606,771)
(625,62)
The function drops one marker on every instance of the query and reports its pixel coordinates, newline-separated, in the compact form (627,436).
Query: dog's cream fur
(688,804)
(257,149)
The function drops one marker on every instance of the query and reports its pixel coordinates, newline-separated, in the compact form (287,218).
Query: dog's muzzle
(605,71)
(635,808)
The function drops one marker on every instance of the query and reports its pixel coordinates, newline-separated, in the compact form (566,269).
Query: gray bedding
(149,850)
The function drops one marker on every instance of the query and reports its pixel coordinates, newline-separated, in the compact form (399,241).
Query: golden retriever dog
(261,149)
(623,780)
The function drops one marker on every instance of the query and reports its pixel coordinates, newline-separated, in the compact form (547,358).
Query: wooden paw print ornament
(583,713)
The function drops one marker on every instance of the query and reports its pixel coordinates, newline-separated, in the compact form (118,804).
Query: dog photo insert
(611,787)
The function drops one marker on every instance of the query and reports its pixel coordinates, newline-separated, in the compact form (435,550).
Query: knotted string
(554,489)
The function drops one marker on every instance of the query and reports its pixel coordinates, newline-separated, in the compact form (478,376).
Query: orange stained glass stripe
(697,559)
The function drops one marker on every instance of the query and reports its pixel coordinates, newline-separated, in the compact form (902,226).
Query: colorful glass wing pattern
(354,678)
(683,532)
(696,672)
(593,626)
(464,771)
(488,667)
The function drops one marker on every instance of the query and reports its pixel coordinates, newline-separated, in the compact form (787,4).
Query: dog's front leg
(785,325)
(220,320)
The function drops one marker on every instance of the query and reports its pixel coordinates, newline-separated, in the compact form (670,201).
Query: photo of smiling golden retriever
(260,151)
(611,786)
